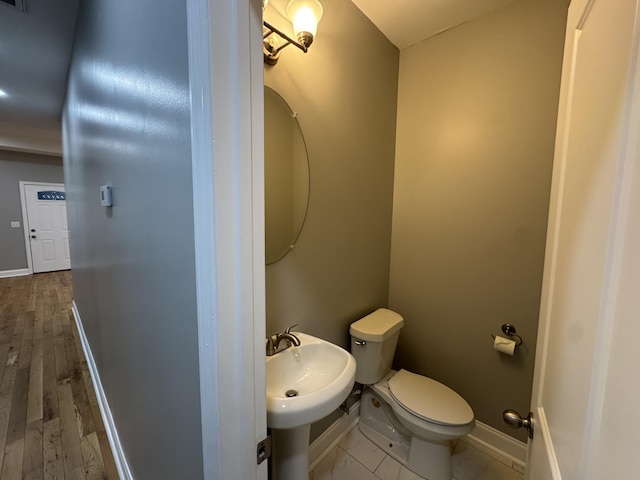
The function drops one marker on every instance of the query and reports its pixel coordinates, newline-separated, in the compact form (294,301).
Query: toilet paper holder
(510,331)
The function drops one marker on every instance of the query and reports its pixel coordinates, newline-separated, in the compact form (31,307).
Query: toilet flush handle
(362,343)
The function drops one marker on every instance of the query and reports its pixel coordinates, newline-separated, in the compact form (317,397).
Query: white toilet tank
(373,344)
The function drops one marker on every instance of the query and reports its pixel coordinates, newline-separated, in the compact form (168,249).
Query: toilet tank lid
(377,326)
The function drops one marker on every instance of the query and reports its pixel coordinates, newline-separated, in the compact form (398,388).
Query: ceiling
(406,22)
(35,49)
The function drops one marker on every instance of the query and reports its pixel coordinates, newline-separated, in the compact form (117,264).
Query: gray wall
(14,167)
(127,123)
(476,123)
(344,93)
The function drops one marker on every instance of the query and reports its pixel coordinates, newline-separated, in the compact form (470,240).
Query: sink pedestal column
(291,453)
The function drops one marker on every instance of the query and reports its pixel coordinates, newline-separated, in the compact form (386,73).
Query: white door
(586,388)
(46,226)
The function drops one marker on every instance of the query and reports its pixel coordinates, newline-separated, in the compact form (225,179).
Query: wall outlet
(15,224)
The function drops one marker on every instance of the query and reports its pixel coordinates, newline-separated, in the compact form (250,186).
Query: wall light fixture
(304,15)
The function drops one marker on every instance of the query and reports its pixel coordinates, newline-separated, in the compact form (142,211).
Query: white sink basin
(320,373)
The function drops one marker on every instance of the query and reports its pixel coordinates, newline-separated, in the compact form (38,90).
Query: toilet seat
(414,424)
(429,400)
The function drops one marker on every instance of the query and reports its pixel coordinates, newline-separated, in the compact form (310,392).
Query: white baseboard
(116,447)
(322,445)
(14,273)
(498,445)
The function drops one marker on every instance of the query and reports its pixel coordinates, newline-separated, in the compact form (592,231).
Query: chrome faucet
(273,341)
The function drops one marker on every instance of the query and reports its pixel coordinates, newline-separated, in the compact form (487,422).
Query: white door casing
(591,268)
(227,131)
(44,216)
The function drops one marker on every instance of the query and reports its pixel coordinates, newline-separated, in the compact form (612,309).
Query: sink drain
(291,393)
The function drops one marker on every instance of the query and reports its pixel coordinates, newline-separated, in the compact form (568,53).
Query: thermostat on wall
(106,196)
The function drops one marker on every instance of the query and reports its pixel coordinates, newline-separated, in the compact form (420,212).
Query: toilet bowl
(425,407)
(410,416)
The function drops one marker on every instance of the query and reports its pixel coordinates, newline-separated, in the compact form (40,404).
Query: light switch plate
(15,224)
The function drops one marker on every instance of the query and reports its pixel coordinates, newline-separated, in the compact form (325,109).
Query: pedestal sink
(304,384)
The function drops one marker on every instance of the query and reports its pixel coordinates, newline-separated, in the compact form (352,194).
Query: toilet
(411,417)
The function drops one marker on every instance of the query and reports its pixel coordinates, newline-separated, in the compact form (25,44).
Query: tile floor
(357,458)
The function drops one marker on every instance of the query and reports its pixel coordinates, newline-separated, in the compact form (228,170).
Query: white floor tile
(356,457)
(469,463)
(390,469)
(339,465)
(362,449)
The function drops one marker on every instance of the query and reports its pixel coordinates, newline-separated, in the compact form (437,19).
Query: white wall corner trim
(228,191)
(14,273)
(322,445)
(498,445)
(114,441)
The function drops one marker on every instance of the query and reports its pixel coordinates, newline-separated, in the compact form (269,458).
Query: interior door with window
(585,393)
(46,225)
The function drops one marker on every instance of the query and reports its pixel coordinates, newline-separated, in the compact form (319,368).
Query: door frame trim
(227,142)
(616,249)
(25,229)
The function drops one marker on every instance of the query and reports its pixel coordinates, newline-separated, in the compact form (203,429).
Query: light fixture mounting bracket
(272,51)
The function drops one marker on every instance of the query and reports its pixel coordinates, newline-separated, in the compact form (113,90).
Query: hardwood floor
(50,423)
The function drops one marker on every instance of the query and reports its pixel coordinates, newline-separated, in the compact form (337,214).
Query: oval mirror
(286,174)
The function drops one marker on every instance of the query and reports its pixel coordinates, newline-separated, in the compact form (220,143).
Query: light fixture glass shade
(305,15)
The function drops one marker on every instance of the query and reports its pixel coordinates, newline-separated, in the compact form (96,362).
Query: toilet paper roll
(504,345)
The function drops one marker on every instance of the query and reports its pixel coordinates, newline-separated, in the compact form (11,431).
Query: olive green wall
(344,93)
(477,112)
